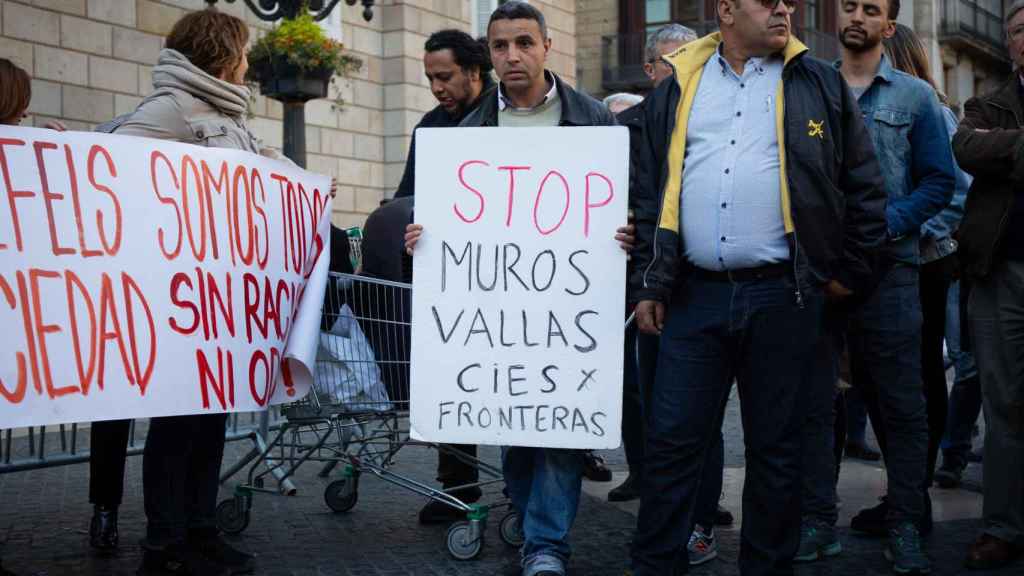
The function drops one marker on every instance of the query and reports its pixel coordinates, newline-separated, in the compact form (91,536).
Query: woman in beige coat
(200,98)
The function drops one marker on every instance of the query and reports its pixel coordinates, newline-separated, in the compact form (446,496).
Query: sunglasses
(772,4)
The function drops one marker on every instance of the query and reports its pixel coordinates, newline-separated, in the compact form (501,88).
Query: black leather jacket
(836,225)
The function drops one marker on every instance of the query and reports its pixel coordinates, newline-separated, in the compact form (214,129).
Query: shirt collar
(504,102)
(885,71)
(756,63)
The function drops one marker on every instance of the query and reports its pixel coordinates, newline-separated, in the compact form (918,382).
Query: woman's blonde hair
(212,41)
(15,92)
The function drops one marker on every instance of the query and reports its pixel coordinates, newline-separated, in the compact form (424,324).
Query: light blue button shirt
(731,215)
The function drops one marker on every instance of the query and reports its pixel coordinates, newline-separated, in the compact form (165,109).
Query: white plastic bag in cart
(346,368)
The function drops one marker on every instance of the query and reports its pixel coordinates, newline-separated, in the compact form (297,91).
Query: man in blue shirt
(904,118)
(758,197)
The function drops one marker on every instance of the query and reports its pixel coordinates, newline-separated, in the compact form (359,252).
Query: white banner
(519,286)
(143,278)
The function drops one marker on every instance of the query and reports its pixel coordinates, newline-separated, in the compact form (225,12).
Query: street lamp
(294,100)
(270,10)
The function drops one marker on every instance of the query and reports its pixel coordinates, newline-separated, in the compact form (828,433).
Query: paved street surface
(44,520)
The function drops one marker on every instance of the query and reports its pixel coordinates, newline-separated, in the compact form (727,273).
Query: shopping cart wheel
(510,530)
(342,495)
(233,515)
(463,544)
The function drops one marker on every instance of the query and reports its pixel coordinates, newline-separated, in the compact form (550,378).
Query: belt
(766,272)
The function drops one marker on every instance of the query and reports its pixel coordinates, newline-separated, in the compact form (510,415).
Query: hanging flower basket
(296,61)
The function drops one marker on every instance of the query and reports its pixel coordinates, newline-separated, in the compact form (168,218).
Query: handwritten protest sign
(141,277)
(519,286)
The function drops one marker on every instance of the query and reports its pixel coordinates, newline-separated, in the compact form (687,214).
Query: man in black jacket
(459,70)
(779,205)
(990,146)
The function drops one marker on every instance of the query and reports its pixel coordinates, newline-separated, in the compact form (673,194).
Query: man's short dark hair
(467,52)
(516,10)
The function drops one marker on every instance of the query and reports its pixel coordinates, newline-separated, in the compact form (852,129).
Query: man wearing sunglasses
(760,198)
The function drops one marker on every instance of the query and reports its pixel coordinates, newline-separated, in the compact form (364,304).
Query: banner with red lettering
(143,278)
(519,287)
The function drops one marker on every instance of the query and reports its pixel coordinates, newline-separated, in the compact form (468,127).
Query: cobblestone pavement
(44,518)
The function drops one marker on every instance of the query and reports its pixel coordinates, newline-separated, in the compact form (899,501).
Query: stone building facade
(91,60)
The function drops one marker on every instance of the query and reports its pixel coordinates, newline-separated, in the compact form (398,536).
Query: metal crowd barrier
(35,448)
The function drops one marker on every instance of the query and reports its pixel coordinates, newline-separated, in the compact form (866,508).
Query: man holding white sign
(516,307)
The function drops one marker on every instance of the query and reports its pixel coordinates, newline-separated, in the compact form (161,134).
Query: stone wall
(91,60)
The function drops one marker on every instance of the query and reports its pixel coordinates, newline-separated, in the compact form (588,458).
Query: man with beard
(759,198)
(883,329)
(459,71)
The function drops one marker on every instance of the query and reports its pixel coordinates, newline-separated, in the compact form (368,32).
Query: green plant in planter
(296,57)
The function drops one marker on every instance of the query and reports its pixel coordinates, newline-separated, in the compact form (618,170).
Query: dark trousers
(884,337)
(715,333)
(452,471)
(632,405)
(641,357)
(997,333)
(818,435)
(638,381)
(108,447)
(180,474)
(935,279)
(856,421)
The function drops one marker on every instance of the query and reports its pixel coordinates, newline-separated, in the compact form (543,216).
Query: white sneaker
(702,546)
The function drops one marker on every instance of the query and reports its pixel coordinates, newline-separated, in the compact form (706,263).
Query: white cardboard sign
(519,286)
(142,277)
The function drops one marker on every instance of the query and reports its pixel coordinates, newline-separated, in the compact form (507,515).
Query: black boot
(439,512)
(177,559)
(214,548)
(628,490)
(103,535)
(4,571)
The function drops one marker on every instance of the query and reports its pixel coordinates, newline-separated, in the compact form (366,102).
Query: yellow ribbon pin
(816,129)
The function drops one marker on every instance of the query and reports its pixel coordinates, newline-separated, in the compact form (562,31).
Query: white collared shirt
(504,102)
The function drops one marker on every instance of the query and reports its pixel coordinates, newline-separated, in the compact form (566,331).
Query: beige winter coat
(188,105)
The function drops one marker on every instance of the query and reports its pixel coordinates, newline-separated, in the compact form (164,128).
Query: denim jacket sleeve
(932,171)
(947,221)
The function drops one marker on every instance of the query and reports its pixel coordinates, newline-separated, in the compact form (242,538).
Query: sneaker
(702,546)
(217,550)
(905,552)
(949,476)
(872,520)
(818,540)
(177,560)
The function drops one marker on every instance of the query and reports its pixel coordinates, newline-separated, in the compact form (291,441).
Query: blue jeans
(884,337)
(544,485)
(715,333)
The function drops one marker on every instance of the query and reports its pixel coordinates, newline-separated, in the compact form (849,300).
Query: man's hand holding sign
(519,286)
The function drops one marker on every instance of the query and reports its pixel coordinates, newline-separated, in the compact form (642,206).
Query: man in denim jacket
(904,118)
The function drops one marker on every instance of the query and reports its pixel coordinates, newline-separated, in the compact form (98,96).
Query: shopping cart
(356,415)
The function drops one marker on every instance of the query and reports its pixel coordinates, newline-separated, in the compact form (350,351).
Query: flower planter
(286,82)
